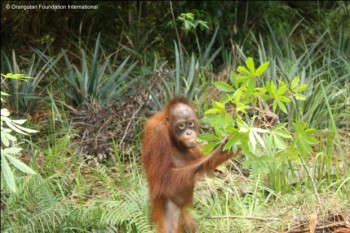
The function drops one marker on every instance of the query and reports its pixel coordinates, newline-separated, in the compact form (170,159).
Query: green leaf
(242,79)
(208,137)
(281,106)
(311,140)
(282,90)
(258,137)
(219,105)
(20,122)
(207,148)
(5,112)
(243,70)
(223,86)
(232,142)
(274,105)
(11,150)
(283,134)
(250,88)
(5,139)
(250,65)
(299,96)
(273,89)
(301,88)
(227,121)
(262,68)
(211,111)
(252,140)
(187,25)
(19,129)
(240,107)
(303,137)
(7,173)
(20,165)
(234,79)
(284,99)
(279,142)
(294,82)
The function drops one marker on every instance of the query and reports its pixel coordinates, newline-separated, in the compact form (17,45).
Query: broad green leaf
(232,141)
(282,90)
(274,105)
(219,105)
(20,165)
(187,25)
(279,142)
(19,129)
(260,130)
(232,130)
(309,130)
(284,99)
(20,122)
(252,140)
(283,133)
(258,137)
(208,137)
(223,86)
(227,121)
(5,112)
(281,106)
(234,79)
(262,68)
(14,127)
(7,173)
(6,133)
(301,88)
(294,82)
(207,148)
(250,88)
(273,89)
(250,65)
(268,87)
(311,140)
(11,150)
(4,94)
(4,139)
(240,107)
(243,129)
(212,110)
(243,70)
(299,96)
(242,79)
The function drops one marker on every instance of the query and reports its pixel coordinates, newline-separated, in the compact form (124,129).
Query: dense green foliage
(95,75)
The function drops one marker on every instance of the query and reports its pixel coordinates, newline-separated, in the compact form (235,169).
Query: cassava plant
(9,144)
(248,114)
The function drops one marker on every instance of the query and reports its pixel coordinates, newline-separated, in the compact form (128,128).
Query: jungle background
(77,85)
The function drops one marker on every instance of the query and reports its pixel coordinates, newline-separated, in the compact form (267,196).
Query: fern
(130,213)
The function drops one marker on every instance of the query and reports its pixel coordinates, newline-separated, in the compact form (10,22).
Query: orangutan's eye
(182,126)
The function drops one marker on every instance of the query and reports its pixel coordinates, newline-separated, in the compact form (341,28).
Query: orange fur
(171,186)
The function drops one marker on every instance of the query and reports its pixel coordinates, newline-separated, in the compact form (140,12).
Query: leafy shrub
(8,147)
(244,115)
